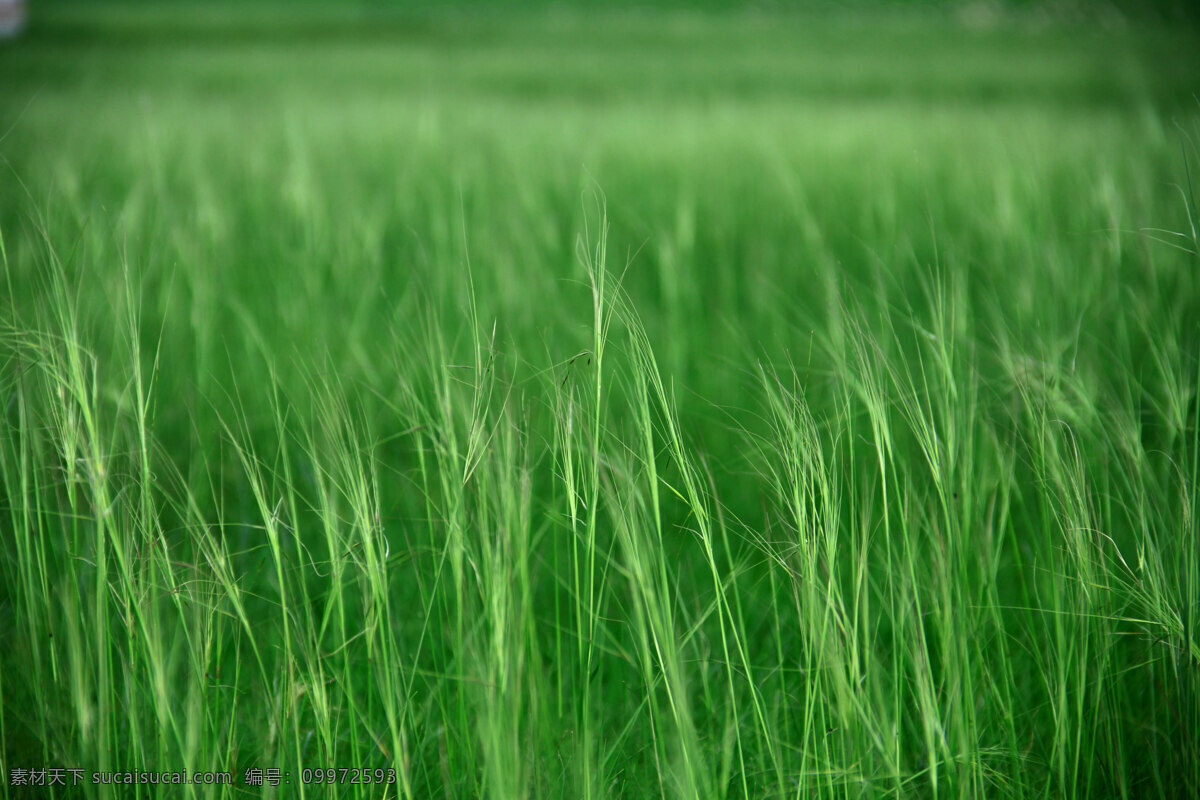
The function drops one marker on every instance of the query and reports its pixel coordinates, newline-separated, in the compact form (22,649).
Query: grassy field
(565,404)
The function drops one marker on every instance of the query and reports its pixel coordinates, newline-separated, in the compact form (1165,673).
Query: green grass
(625,404)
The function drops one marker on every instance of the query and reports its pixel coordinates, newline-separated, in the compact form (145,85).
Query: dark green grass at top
(602,405)
(610,54)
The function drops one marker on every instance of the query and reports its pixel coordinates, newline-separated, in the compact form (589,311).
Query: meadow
(563,402)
